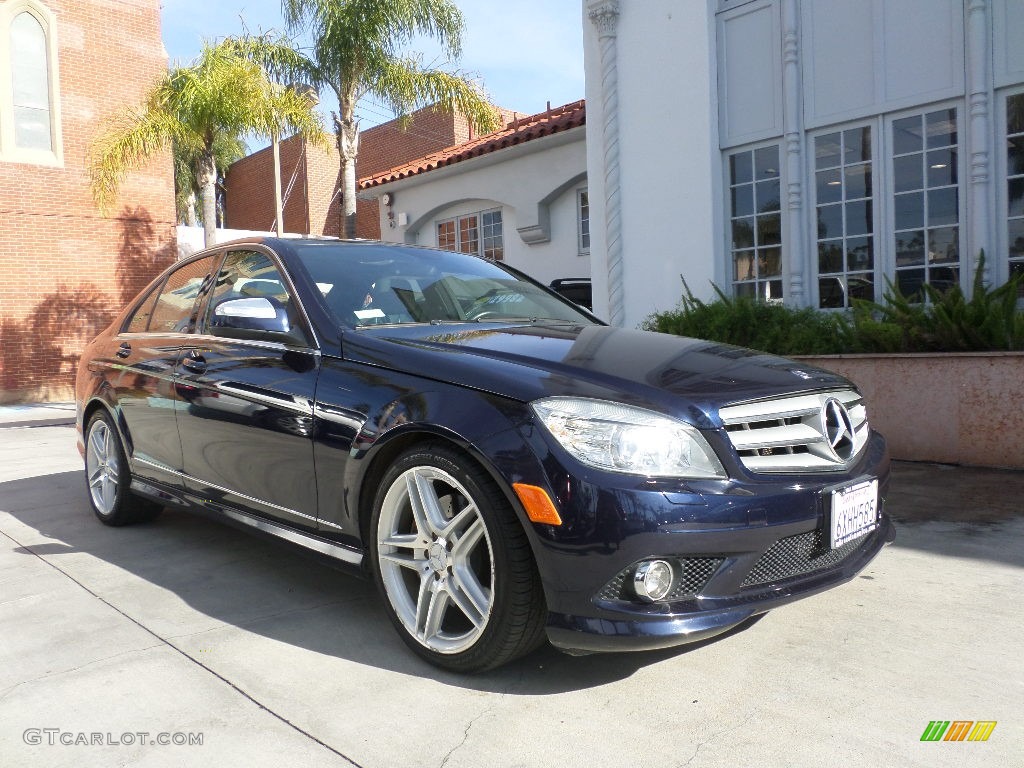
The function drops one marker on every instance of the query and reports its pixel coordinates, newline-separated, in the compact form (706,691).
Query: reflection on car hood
(688,377)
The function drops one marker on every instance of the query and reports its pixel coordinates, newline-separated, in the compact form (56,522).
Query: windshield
(376,284)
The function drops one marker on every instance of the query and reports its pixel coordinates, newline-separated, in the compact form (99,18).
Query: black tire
(451,569)
(108,477)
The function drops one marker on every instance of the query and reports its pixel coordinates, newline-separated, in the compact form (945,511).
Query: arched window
(30,83)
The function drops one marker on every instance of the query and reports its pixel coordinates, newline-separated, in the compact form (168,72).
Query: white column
(979,224)
(605,17)
(799,267)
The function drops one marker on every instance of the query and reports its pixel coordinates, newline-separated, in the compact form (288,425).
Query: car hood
(688,378)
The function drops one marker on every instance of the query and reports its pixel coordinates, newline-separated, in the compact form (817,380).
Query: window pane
(858,217)
(909,210)
(857,144)
(766,162)
(941,167)
(174,307)
(744,265)
(1016,239)
(830,187)
(768,196)
(743,233)
(769,230)
(770,262)
(446,235)
(745,290)
(909,282)
(1015,113)
(827,151)
(491,233)
(861,287)
(906,135)
(772,290)
(943,245)
(944,278)
(1015,190)
(858,181)
(830,292)
(743,200)
(907,173)
(830,256)
(583,199)
(830,221)
(1017,268)
(740,168)
(941,128)
(469,235)
(859,254)
(909,248)
(1015,155)
(30,83)
(942,206)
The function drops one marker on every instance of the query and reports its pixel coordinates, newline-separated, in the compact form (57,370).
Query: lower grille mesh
(691,575)
(798,556)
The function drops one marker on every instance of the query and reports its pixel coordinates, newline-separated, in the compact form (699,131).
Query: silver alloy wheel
(102,466)
(436,560)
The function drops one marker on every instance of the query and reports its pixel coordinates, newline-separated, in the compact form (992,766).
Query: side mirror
(254,318)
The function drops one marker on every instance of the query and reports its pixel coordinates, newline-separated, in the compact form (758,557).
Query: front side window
(30,83)
(138,321)
(844,216)
(175,308)
(479,234)
(926,201)
(756,223)
(1015,182)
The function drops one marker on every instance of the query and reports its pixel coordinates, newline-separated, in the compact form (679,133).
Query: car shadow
(266,587)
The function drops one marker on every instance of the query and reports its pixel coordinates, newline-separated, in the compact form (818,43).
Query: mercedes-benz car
(505,466)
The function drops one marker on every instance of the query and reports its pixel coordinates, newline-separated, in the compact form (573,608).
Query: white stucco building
(802,150)
(518,195)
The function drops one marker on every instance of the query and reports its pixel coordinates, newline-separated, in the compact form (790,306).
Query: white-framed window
(755,223)
(29,84)
(844,216)
(924,167)
(1015,183)
(477,233)
(583,221)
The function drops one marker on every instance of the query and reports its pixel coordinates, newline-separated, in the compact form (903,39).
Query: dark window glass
(755,199)
(830,256)
(944,245)
(829,186)
(742,200)
(827,151)
(941,128)
(1015,196)
(941,167)
(830,221)
(174,311)
(907,175)
(138,322)
(942,206)
(857,145)
(741,168)
(859,254)
(906,135)
(1015,183)
(910,248)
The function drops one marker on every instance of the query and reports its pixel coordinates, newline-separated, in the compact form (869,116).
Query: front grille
(692,574)
(789,434)
(798,556)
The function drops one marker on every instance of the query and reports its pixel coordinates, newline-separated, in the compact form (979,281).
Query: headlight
(627,439)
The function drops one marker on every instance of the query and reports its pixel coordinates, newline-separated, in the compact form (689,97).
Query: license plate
(854,512)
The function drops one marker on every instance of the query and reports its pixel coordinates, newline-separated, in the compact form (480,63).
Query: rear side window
(138,322)
(174,307)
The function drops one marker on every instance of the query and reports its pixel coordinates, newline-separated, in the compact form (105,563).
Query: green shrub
(946,322)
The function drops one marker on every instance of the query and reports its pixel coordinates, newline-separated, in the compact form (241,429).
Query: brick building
(310,176)
(65,269)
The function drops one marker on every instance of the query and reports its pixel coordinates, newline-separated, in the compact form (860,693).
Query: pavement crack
(714,736)
(465,736)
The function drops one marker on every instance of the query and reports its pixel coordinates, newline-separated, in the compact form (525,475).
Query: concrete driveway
(116,640)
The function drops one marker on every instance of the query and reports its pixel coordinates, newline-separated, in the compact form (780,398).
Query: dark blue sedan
(505,466)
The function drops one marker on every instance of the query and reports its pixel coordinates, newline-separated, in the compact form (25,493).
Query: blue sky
(526,52)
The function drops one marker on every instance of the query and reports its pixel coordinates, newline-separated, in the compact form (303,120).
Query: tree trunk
(348,149)
(207,177)
(190,210)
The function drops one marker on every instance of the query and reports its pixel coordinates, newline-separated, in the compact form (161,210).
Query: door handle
(124,350)
(194,363)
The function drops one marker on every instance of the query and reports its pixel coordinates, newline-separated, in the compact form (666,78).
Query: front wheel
(108,476)
(453,563)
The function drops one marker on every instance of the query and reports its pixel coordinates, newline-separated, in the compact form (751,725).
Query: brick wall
(250,181)
(65,270)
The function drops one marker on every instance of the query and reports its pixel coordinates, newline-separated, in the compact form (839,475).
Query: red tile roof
(520,130)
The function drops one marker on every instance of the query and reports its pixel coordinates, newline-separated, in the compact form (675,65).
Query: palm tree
(227,149)
(357,52)
(221,94)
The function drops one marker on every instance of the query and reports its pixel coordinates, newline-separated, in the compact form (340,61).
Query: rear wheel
(453,563)
(108,476)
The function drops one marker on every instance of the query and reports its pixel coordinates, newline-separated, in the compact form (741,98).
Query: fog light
(653,580)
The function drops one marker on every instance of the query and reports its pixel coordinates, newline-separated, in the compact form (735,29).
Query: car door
(146,351)
(247,429)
